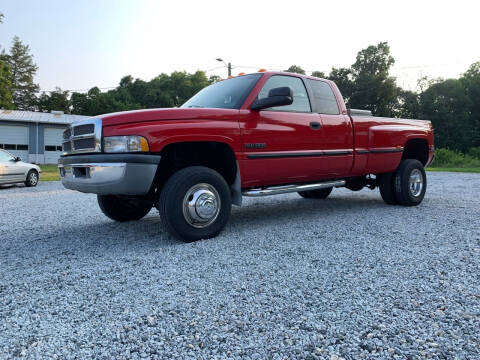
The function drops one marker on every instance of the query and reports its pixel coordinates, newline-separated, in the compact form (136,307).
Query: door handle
(315,125)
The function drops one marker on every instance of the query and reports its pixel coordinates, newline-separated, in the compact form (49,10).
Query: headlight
(116,144)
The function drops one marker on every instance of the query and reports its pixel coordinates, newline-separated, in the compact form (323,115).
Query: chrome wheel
(33,178)
(415,182)
(201,205)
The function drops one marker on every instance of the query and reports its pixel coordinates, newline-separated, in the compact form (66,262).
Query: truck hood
(136,116)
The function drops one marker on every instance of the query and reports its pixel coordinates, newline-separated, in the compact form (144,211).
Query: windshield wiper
(194,106)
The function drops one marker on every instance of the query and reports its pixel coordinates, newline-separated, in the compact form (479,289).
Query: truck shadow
(256,215)
(99,237)
(292,209)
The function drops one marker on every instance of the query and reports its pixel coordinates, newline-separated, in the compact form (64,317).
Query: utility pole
(229,66)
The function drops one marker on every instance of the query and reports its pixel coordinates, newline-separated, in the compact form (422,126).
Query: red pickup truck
(253,135)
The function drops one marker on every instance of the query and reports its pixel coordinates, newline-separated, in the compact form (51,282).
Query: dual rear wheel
(406,186)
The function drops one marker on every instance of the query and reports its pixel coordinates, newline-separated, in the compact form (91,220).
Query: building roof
(54,117)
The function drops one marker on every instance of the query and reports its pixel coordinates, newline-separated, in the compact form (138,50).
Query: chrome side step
(283,189)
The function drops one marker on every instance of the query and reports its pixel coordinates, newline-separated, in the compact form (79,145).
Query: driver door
(282,144)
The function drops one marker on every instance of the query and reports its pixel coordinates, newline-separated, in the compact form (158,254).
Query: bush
(474,152)
(455,158)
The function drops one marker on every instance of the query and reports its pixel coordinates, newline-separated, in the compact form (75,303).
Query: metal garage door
(14,139)
(53,144)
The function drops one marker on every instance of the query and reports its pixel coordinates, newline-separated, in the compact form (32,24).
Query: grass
(456,161)
(455,169)
(49,173)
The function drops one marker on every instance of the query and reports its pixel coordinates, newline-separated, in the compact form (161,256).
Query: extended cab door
(337,132)
(281,144)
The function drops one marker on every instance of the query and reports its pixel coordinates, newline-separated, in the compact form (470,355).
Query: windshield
(226,94)
(5,156)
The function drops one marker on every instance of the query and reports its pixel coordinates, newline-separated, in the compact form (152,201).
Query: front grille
(67,134)
(67,146)
(83,137)
(83,144)
(83,129)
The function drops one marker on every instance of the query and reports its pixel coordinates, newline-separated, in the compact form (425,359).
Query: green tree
(471,83)
(295,69)
(408,104)
(94,102)
(213,79)
(6,98)
(126,81)
(55,100)
(373,88)
(343,78)
(23,70)
(165,90)
(319,74)
(448,106)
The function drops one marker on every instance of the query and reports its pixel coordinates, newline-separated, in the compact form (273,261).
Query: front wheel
(32,178)
(195,203)
(410,183)
(124,208)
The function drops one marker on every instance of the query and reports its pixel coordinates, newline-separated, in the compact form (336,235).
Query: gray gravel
(347,277)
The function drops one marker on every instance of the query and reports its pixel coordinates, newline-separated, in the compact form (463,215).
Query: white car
(14,170)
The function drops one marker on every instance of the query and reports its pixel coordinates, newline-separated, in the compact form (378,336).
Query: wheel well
(416,149)
(215,155)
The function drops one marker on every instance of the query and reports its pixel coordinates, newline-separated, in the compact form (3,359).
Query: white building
(34,136)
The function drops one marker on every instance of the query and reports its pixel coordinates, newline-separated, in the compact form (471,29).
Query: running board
(274,190)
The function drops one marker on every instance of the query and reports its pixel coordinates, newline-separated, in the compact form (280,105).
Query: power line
(77,90)
(215,68)
(259,67)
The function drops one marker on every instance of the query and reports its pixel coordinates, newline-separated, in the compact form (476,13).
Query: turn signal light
(144,144)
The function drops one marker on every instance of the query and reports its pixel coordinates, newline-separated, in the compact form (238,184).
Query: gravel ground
(347,277)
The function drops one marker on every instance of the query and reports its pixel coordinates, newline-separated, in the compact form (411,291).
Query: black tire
(386,186)
(174,209)
(410,183)
(122,208)
(316,194)
(32,178)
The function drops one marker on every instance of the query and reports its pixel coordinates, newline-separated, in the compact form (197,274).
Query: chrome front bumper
(119,174)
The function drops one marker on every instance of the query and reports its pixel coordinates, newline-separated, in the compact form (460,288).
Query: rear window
(323,97)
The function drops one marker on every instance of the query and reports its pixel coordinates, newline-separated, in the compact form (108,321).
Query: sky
(81,44)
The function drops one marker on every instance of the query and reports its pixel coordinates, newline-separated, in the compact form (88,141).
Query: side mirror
(279,96)
(17,159)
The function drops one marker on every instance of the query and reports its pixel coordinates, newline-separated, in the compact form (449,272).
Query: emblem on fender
(255,146)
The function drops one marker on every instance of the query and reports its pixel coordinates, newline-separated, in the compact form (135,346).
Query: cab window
(300,97)
(4,157)
(323,97)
